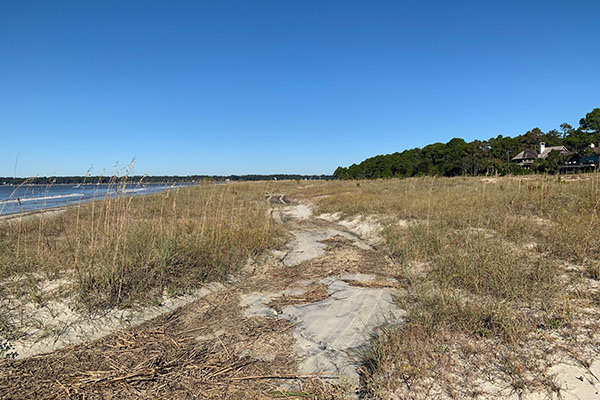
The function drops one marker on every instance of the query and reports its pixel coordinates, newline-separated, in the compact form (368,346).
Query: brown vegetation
(496,278)
(128,251)
(499,278)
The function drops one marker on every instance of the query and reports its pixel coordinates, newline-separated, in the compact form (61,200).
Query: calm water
(15,199)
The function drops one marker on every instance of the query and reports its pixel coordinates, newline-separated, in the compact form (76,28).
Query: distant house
(591,156)
(545,151)
(527,157)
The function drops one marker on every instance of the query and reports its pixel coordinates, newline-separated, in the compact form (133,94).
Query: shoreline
(80,198)
(28,214)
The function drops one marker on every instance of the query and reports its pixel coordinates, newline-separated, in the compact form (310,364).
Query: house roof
(563,150)
(525,155)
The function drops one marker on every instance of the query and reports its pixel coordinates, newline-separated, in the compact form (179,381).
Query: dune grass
(130,250)
(495,263)
(495,272)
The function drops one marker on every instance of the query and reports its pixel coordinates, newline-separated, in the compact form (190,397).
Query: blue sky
(236,87)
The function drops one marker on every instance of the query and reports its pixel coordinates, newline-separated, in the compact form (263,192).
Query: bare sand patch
(367,228)
(55,324)
(297,212)
(331,217)
(332,332)
(310,244)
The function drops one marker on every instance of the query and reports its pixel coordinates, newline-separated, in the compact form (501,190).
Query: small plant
(7,331)
(592,270)
(7,351)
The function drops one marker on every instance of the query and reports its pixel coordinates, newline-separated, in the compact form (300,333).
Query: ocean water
(17,199)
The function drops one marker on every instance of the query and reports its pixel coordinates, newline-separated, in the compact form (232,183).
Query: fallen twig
(290,376)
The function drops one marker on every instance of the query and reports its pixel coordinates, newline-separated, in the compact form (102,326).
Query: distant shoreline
(158,179)
(23,199)
(95,183)
(42,212)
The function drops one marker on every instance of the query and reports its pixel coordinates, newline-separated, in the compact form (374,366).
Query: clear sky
(281,86)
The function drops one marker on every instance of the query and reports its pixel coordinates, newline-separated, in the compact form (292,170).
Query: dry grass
(130,250)
(484,264)
(496,276)
(207,350)
(313,294)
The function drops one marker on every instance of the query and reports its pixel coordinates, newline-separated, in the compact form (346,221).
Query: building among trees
(566,146)
(526,158)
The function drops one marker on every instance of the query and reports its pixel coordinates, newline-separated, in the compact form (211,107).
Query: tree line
(492,156)
(64,180)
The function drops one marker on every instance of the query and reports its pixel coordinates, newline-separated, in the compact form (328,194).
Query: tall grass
(483,259)
(126,250)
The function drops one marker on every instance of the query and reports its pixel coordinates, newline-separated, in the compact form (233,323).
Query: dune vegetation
(498,276)
(124,251)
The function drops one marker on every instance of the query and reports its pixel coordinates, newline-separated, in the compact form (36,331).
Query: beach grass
(122,251)
(496,274)
(495,264)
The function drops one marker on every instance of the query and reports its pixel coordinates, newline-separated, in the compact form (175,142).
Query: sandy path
(331,334)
